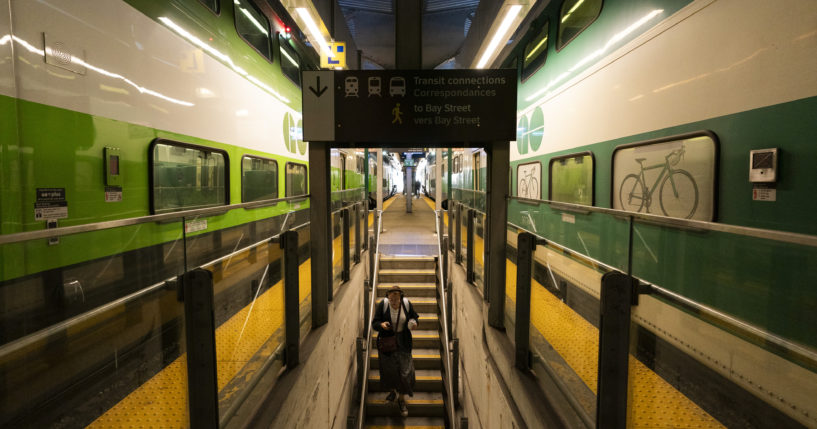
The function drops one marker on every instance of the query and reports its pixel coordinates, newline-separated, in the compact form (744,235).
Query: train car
(694,109)
(123,110)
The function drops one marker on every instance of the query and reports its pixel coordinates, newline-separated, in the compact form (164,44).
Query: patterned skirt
(397,372)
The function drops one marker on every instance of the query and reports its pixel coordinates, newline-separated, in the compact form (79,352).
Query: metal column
(438,180)
(497,218)
(379,155)
(526,244)
(321,229)
(346,215)
(408,187)
(408,36)
(470,276)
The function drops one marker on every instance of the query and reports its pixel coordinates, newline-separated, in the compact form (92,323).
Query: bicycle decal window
(672,177)
(528,180)
(571,179)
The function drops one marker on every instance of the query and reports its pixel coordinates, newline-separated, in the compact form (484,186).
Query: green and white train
(702,110)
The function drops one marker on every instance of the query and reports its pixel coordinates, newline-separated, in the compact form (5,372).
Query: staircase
(417,277)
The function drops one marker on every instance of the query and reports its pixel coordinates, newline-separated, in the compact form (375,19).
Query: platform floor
(412,233)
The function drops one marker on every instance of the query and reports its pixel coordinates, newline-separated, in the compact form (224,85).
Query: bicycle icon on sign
(677,193)
(528,186)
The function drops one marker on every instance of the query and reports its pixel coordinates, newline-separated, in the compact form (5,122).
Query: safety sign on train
(409,106)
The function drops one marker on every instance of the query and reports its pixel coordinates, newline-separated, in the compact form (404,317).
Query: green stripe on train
(60,148)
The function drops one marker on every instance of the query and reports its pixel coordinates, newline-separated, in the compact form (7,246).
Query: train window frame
(283,45)
(236,4)
(715,161)
(559,45)
(528,71)
(217,4)
(243,188)
(286,179)
(152,181)
(566,157)
(518,178)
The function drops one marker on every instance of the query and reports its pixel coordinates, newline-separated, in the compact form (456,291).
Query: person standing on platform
(394,316)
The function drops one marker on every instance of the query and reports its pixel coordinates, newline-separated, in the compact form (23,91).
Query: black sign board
(422,106)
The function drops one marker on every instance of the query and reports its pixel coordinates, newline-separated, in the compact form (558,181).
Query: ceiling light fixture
(314,31)
(499,35)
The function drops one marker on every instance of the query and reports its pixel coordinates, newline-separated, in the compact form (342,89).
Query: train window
(672,176)
(457,167)
(186,177)
(575,16)
(296,180)
(253,27)
(259,179)
(290,61)
(529,180)
(535,52)
(211,4)
(571,179)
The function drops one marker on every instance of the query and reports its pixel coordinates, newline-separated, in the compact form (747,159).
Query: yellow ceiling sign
(338,58)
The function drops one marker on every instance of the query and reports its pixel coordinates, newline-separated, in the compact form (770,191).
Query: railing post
(455,370)
(526,244)
(458,235)
(614,344)
(357,233)
(371,259)
(470,276)
(450,224)
(292,319)
(201,348)
(345,214)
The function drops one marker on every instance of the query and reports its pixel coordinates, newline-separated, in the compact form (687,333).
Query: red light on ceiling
(287,32)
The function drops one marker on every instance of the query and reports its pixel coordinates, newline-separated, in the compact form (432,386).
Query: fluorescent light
(499,35)
(314,31)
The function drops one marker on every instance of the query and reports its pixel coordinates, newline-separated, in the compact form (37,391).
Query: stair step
(408,422)
(427,381)
(420,339)
(422,404)
(411,289)
(425,305)
(407,275)
(423,358)
(415,262)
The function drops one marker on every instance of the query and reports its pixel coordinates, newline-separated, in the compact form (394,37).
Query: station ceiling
(445,25)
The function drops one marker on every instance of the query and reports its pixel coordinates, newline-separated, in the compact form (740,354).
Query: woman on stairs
(394,318)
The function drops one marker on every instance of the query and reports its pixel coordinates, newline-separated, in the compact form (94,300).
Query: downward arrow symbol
(320,91)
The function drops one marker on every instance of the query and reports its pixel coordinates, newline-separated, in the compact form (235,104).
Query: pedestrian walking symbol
(397,114)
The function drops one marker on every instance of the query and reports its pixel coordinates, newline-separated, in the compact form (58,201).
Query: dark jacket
(382,314)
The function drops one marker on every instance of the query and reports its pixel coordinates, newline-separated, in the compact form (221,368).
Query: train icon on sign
(397,86)
(374,86)
(351,86)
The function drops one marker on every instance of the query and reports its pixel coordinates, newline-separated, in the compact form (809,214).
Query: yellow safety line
(408,401)
(162,400)
(655,402)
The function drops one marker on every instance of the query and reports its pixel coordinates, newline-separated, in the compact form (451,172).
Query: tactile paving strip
(654,403)
(162,401)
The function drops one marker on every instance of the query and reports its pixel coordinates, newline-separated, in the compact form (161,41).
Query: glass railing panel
(479,250)
(91,330)
(304,280)
(337,249)
(248,306)
(599,236)
(728,337)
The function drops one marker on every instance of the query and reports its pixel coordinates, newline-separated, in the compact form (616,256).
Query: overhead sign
(338,58)
(318,105)
(419,106)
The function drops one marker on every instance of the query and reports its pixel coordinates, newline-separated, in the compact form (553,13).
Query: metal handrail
(800,353)
(444,323)
(782,236)
(364,390)
(18,237)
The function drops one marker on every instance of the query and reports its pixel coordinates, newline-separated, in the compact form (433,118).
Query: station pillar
(320,231)
(497,217)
